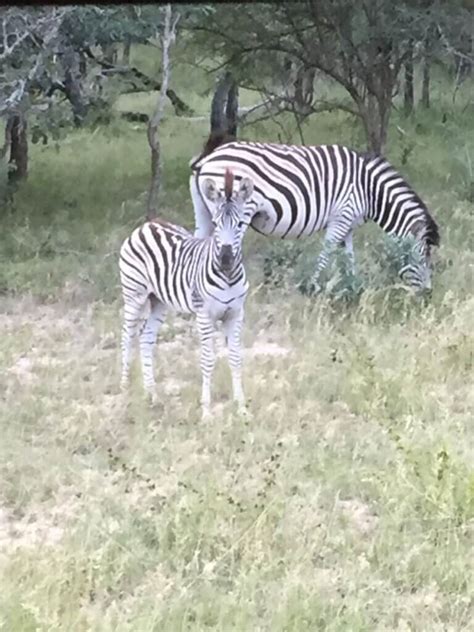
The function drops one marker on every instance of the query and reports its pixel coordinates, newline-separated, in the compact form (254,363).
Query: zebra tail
(215,140)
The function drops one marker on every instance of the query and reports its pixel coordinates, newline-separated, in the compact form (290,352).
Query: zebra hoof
(314,288)
(309,288)
(153,399)
(206,415)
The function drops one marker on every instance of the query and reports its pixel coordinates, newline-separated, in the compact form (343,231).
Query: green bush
(292,263)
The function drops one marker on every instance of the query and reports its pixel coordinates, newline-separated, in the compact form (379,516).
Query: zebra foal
(166,267)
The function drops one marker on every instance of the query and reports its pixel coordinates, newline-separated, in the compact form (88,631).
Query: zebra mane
(215,140)
(174,228)
(228,183)
(430,229)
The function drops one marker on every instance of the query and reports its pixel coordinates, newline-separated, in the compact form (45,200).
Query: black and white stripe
(301,190)
(164,266)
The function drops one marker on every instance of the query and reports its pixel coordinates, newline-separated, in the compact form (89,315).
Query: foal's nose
(226,257)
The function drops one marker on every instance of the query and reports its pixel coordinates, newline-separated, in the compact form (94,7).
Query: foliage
(291,264)
(361,47)
(89,26)
(28,41)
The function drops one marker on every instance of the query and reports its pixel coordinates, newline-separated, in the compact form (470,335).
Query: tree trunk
(110,53)
(409,97)
(18,162)
(72,85)
(428,44)
(82,65)
(218,105)
(167,38)
(425,85)
(127,45)
(463,59)
(225,105)
(375,116)
(155,183)
(232,108)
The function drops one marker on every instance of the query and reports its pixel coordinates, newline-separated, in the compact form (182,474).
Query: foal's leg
(206,330)
(148,337)
(232,330)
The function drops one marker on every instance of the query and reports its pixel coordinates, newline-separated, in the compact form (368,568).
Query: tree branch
(180,107)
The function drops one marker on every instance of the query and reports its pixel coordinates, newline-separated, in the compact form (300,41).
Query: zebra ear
(245,190)
(210,190)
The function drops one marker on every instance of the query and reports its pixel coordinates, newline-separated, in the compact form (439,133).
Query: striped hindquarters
(298,187)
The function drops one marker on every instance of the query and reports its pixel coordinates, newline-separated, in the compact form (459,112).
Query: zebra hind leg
(202,216)
(232,331)
(148,336)
(206,330)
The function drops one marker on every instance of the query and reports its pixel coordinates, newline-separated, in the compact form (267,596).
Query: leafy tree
(28,42)
(50,52)
(360,46)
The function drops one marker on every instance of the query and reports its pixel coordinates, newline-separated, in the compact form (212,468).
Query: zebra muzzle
(226,258)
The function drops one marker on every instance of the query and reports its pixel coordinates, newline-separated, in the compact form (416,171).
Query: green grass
(346,503)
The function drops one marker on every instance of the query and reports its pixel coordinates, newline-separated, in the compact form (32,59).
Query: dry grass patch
(346,502)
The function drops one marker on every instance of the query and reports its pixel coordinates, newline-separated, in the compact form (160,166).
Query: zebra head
(418,267)
(230,218)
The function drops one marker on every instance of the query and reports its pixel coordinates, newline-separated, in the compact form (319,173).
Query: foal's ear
(245,190)
(210,190)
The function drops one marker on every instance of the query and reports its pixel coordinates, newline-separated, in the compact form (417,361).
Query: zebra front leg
(349,246)
(321,264)
(148,336)
(206,330)
(336,234)
(232,330)
(133,310)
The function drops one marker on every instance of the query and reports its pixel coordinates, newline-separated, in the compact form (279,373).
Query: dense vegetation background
(347,501)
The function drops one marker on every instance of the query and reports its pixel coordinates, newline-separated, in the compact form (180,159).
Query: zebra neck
(392,204)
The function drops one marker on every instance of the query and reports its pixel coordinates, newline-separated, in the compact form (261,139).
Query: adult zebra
(300,190)
(164,266)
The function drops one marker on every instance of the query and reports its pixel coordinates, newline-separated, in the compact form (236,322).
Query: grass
(345,504)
